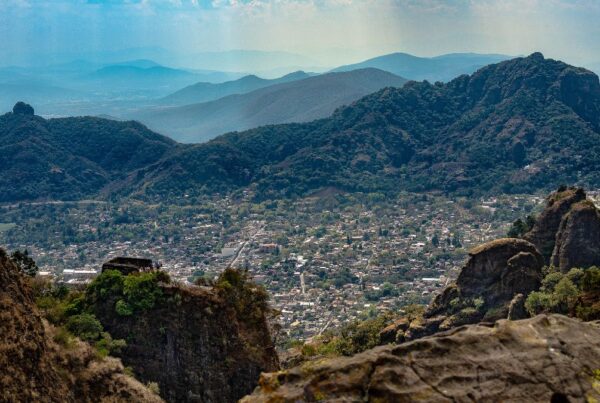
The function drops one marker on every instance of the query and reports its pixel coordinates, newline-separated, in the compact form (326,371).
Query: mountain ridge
(204,92)
(519,126)
(296,101)
(437,68)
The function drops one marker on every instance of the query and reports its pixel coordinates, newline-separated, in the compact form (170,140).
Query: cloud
(334,31)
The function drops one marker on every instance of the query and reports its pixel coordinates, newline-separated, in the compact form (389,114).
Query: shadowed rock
(495,272)
(538,359)
(543,233)
(21,108)
(578,238)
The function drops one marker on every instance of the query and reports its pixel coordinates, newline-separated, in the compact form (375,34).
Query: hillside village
(324,261)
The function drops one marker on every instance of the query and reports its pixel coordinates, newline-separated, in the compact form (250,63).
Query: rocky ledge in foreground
(546,358)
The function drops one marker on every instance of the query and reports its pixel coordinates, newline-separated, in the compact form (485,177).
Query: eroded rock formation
(558,204)
(547,358)
(578,238)
(495,273)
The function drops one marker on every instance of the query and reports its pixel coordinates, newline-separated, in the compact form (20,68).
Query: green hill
(521,125)
(70,158)
(518,126)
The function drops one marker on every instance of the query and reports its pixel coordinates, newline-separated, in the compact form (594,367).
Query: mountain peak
(21,108)
(536,56)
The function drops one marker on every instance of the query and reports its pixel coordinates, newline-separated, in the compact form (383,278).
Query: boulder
(543,233)
(499,269)
(578,238)
(549,358)
(495,272)
(394,332)
(516,309)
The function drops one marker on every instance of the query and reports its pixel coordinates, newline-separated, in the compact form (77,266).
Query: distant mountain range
(439,68)
(296,101)
(81,87)
(517,126)
(203,92)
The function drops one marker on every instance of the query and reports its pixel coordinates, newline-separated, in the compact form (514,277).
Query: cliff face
(34,367)
(495,273)
(578,238)
(543,233)
(193,342)
(547,358)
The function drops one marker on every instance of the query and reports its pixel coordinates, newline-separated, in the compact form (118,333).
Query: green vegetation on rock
(575,293)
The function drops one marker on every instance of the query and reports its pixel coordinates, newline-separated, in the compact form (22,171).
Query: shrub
(576,293)
(123,308)
(85,326)
(142,290)
(107,345)
(591,280)
(538,302)
(153,387)
(248,299)
(24,262)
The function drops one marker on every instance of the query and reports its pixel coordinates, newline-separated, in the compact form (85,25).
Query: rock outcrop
(21,108)
(194,342)
(495,272)
(35,368)
(558,204)
(549,358)
(578,238)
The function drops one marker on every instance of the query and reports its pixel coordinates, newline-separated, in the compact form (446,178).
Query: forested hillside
(517,126)
(521,125)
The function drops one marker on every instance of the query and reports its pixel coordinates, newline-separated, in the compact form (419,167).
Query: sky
(324,32)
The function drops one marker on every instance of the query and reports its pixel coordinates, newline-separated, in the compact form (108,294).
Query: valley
(359,255)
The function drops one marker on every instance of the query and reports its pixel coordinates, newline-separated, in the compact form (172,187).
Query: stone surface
(578,238)
(543,233)
(495,272)
(543,359)
(34,368)
(198,349)
(516,309)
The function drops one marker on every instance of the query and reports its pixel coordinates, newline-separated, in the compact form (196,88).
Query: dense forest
(521,125)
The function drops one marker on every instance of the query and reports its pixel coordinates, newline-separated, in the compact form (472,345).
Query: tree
(85,326)
(24,262)
(435,240)
(456,240)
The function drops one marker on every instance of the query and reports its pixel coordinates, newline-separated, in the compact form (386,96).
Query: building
(127,265)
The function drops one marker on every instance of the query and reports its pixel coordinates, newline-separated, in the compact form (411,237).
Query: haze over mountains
(521,125)
(297,101)
(116,83)
(206,91)
(439,68)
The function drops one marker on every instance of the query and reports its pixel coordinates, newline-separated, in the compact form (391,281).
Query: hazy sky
(330,32)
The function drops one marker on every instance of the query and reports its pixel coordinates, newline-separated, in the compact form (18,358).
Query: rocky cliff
(464,349)
(549,358)
(36,367)
(494,274)
(558,204)
(578,238)
(567,232)
(200,344)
